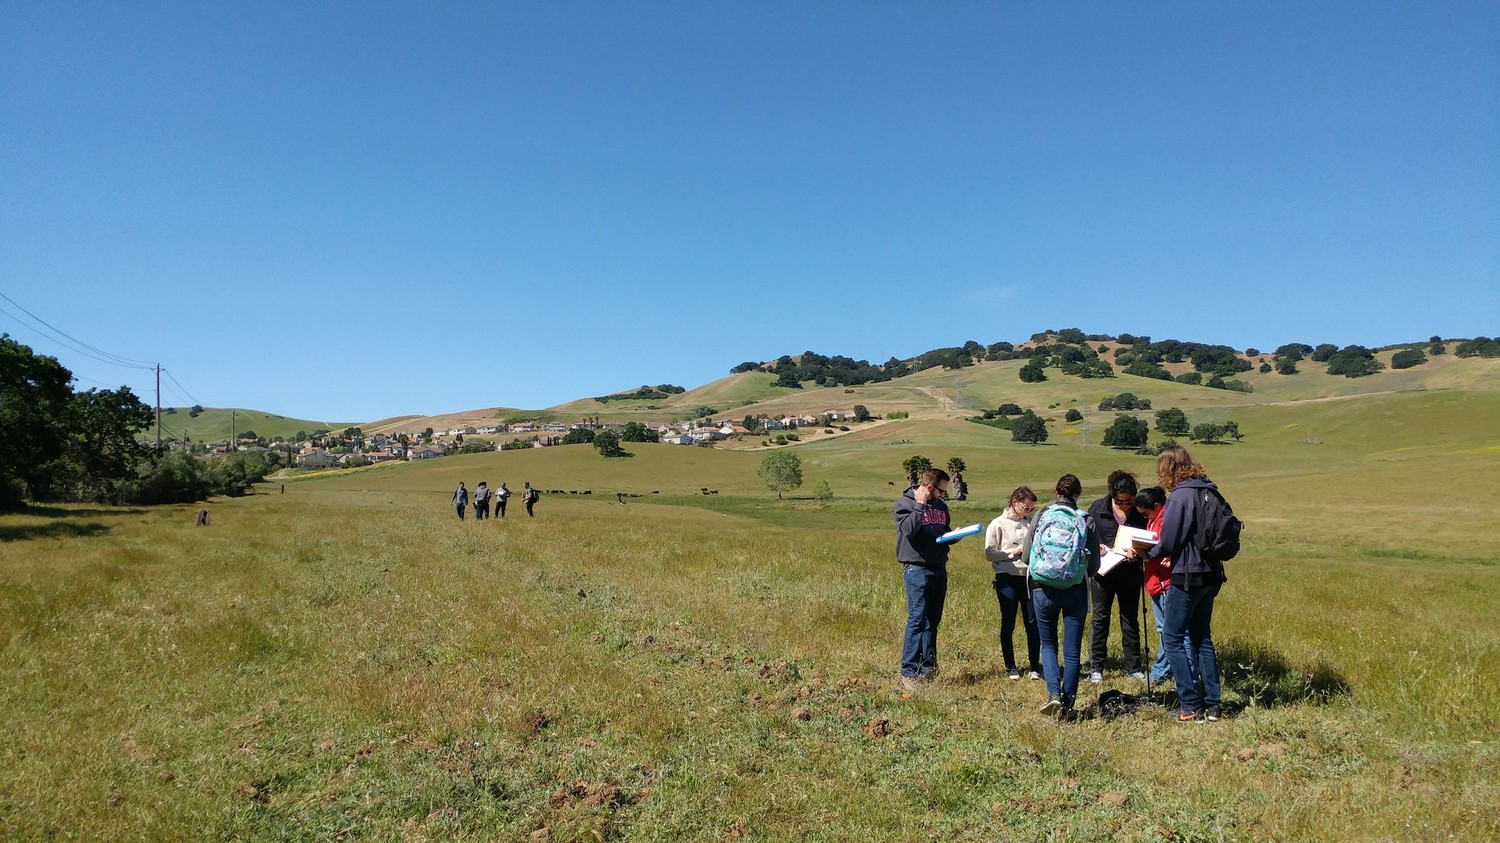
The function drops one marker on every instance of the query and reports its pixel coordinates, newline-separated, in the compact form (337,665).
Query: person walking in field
(528,497)
(1004,542)
(1122,584)
(481,501)
(1062,551)
(1186,633)
(461,499)
(502,497)
(921,517)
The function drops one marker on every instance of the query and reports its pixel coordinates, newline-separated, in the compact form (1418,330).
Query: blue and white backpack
(1058,553)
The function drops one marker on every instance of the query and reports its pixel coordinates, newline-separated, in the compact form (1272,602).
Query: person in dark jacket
(1068,604)
(460,499)
(921,517)
(1122,584)
(1186,633)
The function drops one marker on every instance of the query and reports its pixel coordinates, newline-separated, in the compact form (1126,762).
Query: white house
(679,439)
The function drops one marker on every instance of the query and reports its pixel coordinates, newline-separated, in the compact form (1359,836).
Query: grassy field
(348,660)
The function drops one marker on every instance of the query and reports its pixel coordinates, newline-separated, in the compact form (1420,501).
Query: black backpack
(1217,530)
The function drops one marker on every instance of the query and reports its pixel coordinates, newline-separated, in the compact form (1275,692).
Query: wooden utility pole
(158,406)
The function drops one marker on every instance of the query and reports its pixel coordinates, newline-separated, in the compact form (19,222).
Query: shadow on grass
(1264,677)
(65,522)
(52,530)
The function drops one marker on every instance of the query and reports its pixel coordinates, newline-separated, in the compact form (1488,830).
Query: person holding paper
(1121,583)
(921,518)
(1004,542)
(1152,502)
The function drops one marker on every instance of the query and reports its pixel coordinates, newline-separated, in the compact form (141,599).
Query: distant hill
(966,384)
(214,424)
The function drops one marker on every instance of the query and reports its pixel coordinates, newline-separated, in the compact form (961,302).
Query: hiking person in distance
(502,497)
(481,501)
(528,497)
(460,499)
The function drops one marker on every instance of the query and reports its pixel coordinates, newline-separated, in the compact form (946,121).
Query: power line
(184,392)
(76,344)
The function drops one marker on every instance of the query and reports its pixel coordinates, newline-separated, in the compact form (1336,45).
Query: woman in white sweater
(1004,541)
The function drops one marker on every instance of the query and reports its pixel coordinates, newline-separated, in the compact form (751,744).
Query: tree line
(58,443)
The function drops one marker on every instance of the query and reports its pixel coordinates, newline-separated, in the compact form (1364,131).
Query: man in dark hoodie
(921,517)
(1195,584)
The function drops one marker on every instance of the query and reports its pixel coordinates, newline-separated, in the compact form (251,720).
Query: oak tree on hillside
(1029,428)
(1126,432)
(1032,372)
(781,470)
(1171,422)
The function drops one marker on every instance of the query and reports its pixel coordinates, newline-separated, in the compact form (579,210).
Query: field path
(947,404)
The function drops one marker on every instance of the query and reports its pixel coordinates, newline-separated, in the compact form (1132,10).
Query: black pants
(1124,585)
(500,506)
(1010,590)
(530,501)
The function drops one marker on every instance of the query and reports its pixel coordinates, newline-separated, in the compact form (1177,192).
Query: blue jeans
(1190,647)
(1010,591)
(1161,669)
(926,590)
(1072,605)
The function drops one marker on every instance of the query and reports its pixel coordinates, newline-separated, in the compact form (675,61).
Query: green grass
(348,660)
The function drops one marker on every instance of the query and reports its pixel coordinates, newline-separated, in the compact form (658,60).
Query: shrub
(1073,415)
(1408,358)
(1126,432)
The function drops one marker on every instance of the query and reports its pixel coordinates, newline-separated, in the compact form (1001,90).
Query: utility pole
(234,444)
(158,407)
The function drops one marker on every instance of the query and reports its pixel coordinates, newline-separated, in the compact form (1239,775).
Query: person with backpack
(1123,582)
(528,497)
(1062,550)
(502,497)
(481,501)
(460,499)
(1004,542)
(1152,502)
(922,517)
(1199,533)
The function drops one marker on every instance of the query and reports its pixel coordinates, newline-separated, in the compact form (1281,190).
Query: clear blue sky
(345,211)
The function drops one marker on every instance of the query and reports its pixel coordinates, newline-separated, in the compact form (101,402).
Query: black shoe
(1212,714)
(1052,706)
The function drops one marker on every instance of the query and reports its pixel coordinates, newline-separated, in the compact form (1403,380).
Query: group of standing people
(484,496)
(1046,566)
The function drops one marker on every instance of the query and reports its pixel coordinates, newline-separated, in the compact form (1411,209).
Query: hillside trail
(948,405)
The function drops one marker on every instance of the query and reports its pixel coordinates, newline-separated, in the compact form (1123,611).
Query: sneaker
(1052,706)
(1136,674)
(931,674)
(910,683)
(1212,714)
(1033,675)
(1013,674)
(1068,714)
(1096,677)
(1186,716)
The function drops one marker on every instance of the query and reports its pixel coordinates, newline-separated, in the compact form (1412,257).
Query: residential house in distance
(678,439)
(316,459)
(424,452)
(491,429)
(554,427)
